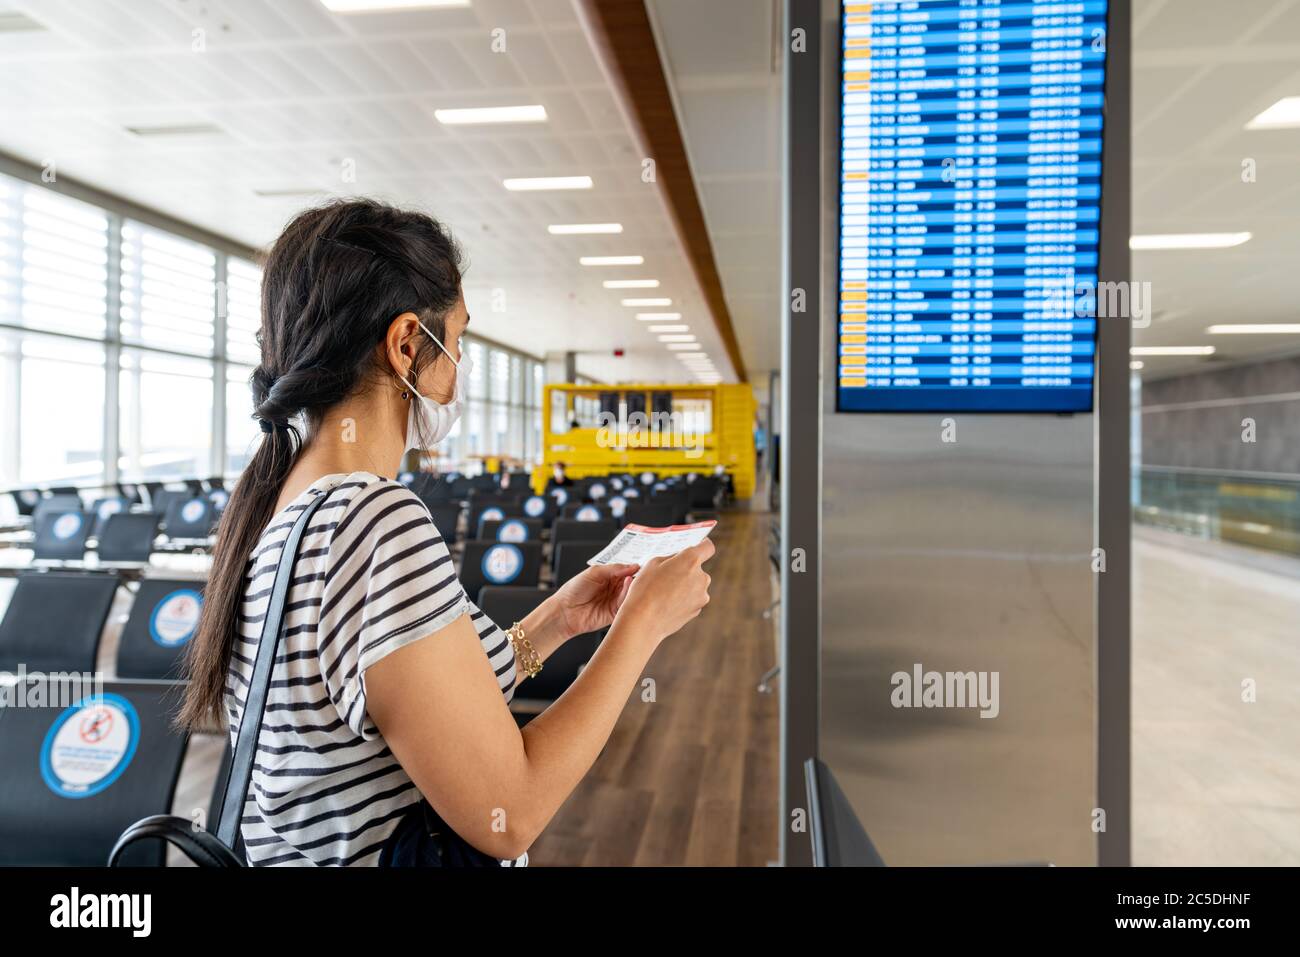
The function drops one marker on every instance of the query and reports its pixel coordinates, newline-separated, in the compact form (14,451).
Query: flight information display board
(970,197)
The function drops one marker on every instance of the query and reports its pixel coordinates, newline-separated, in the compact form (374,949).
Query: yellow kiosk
(666,429)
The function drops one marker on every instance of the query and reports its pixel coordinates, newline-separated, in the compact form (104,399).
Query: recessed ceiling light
(611,260)
(1172,351)
(678,328)
(648,302)
(1137,364)
(491,114)
(378,6)
(631,283)
(534,183)
(176,129)
(1283,114)
(583,229)
(678,337)
(1188,240)
(653,316)
(1255,329)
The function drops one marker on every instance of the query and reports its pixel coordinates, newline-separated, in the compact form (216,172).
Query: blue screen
(970,199)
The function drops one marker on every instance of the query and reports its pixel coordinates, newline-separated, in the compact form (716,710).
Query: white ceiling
(727,88)
(1201,70)
(297,92)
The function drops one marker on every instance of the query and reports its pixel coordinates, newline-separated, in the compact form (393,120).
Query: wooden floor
(690,778)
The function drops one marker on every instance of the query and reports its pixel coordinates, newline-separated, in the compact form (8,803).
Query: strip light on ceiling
(388,6)
(631,283)
(491,114)
(1172,351)
(528,184)
(1255,329)
(611,260)
(584,229)
(1188,240)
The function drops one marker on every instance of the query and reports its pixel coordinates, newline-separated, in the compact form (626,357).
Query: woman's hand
(589,602)
(669,592)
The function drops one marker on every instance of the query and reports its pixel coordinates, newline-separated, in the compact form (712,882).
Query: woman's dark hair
(332,284)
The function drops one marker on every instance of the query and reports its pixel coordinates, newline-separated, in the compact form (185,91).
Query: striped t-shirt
(372,575)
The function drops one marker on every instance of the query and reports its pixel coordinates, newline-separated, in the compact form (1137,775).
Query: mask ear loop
(410,389)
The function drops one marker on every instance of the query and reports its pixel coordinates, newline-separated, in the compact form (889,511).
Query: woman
(391,685)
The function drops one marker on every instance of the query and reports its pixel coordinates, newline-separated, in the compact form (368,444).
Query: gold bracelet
(526,656)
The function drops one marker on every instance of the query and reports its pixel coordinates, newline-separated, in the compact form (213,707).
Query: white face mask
(442,417)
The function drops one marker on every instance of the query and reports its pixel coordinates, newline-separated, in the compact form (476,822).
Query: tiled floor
(1216,780)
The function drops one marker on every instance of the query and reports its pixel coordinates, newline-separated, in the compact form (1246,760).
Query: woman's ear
(400,344)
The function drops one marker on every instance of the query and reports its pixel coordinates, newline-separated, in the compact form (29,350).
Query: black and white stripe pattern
(372,575)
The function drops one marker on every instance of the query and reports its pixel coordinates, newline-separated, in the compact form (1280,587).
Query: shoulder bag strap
(250,725)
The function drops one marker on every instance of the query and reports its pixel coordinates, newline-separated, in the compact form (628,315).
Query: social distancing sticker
(89,746)
(176,618)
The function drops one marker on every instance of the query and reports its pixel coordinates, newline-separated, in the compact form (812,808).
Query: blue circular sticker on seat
(631,493)
(176,617)
(560,495)
(512,530)
(110,506)
(89,745)
(588,513)
(617,505)
(66,525)
(647,478)
(617,483)
(534,506)
(219,498)
(192,511)
(29,497)
(502,563)
(406,478)
(492,514)
(597,491)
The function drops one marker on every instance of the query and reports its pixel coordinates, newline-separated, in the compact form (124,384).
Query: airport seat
(702,494)
(189,519)
(61,536)
(25,500)
(54,621)
(650,514)
(572,530)
(104,508)
(128,538)
(163,619)
(77,776)
(586,512)
(597,490)
(130,491)
(511,530)
(570,559)
(490,512)
(541,507)
(505,606)
(838,837)
(160,499)
(446,518)
(499,563)
(56,503)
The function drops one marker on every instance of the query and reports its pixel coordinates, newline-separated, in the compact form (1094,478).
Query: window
(165,416)
(61,393)
(126,349)
(243,310)
(168,291)
(242,433)
(60,251)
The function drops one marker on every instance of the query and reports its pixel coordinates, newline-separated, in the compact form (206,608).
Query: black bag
(421,839)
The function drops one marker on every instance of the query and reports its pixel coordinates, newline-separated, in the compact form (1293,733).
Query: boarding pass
(637,544)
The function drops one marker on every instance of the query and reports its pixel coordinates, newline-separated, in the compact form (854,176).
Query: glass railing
(1256,509)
